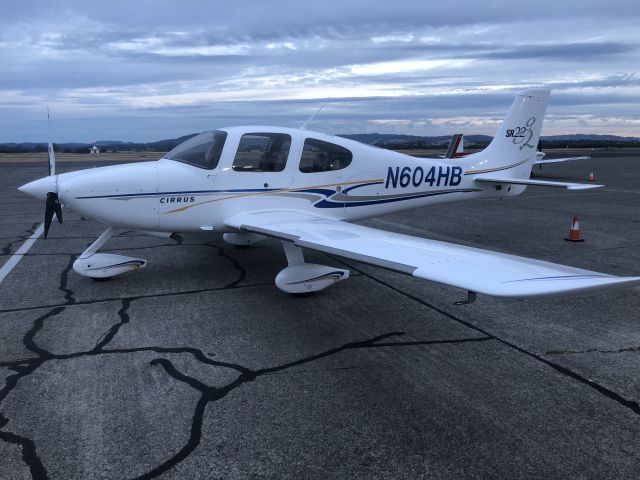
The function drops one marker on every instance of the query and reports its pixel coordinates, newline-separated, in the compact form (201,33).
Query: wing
(472,269)
(559,160)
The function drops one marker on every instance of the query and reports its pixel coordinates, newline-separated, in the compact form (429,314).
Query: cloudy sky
(147,70)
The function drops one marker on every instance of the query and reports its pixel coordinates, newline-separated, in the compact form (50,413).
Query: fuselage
(244,169)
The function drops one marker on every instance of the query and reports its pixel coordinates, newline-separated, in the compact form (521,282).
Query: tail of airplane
(512,151)
(509,157)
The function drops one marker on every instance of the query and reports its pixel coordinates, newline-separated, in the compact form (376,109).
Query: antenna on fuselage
(313,116)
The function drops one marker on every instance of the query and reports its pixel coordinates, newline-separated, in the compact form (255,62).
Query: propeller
(53,203)
(52,206)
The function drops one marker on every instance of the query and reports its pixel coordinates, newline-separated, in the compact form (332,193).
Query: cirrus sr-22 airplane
(306,189)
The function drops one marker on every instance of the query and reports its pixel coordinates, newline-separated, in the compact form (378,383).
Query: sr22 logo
(445,176)
(522,134)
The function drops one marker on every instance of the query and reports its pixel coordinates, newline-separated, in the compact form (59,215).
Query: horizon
(139,71)
(346,135)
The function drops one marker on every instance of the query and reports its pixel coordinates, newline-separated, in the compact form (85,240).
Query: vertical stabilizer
(456,147)
(513,150)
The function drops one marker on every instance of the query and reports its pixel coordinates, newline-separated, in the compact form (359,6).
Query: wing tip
(583,186)
(565,286)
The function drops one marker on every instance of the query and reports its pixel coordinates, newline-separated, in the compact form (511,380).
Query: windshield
(201,151)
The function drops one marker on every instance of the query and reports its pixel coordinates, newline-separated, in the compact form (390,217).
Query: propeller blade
(52,159)
(48,211)
(50,153)
(57,208)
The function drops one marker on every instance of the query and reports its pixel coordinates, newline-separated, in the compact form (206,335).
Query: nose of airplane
(39,188)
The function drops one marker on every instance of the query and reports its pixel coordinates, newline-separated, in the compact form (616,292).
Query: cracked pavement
(198,367)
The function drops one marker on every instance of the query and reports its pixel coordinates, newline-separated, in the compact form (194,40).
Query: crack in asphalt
(26,366)
(28,448)
(607,392)
(150,295)
(70,300)
(6,250)
(64,279)
(591,350)
(106,337)
(208,394)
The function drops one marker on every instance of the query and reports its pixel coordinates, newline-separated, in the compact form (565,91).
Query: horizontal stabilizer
(540,183)
(473,269)
(559,160)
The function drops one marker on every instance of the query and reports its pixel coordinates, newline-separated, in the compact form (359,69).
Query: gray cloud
(153,69)
(587,51)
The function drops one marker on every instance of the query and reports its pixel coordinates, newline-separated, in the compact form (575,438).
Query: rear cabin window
(319,156)
(201,151)
(262,152)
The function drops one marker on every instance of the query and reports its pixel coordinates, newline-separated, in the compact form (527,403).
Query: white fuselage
(172,196)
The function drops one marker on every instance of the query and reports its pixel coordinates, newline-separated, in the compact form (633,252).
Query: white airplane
(305,189)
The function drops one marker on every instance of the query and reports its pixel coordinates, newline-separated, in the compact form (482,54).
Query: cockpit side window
(262,152)
(319,156)
(201,151)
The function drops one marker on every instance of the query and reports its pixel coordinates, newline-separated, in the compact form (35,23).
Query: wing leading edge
(473,269)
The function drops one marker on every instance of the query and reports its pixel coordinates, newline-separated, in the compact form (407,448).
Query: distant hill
(105,145)
(384,140)
(591,137)
(408,142)
(388,140)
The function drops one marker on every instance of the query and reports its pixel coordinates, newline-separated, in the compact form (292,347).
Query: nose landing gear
(102,266)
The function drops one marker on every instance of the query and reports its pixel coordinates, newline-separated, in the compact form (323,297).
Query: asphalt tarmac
(199,367)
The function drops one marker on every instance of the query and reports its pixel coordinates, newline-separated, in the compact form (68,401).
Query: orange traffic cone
(591,177)
(574,233)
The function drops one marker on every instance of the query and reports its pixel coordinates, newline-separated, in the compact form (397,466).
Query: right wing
(473,269)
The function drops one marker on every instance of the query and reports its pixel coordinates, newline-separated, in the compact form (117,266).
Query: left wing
(473,269)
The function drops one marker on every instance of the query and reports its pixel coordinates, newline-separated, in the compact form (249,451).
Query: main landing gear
(102,266)
(302,279)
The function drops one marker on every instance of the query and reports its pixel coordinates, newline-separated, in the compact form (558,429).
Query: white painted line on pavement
(16,257)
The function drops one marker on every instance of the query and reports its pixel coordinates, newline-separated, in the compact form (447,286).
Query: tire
(302,295)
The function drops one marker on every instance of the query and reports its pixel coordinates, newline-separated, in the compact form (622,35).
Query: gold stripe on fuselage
(471,172)
(272,192)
